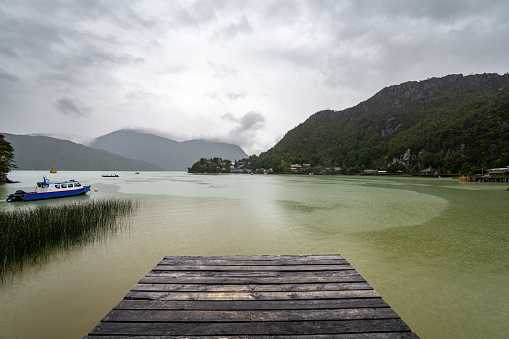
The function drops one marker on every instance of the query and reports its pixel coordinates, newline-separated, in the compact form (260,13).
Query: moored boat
(110,175)
(50,189)
(53,170)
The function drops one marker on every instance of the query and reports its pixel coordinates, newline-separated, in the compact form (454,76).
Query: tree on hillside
(6,155)
(453,124)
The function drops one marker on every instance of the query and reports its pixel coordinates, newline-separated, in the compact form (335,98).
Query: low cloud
(249,123)
(244,133)
(73,108)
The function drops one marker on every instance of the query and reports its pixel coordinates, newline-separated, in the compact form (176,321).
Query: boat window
(57,186)
(39,184)
(64,185)
(77,184)
(70,185)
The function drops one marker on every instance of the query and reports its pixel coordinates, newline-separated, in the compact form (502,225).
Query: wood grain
(262,296)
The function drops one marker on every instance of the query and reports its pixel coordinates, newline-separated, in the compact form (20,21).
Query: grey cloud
(8,76)
(441,11)
(212,95)
(48,44)
(10,88)
(7,51)
(235,96)
(246,127)
(229,95)
(222,71)
(92,57)
(85,66)
(230,117)
(252,121)
(200,13)
(93,11)
(369,10)
(59,77)
(73,108)
(390,42)
(242,26)
(248,123)
(283,12)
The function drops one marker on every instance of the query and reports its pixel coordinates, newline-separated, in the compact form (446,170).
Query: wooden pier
(261,296)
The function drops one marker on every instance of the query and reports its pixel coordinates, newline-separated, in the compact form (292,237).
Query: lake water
(435,249)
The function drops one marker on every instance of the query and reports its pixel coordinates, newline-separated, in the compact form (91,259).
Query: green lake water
(435,249)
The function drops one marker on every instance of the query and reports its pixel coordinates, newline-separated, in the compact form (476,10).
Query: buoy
(95,190)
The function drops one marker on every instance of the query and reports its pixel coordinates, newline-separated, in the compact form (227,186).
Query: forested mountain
(454,124)
(45,153)
(169,154)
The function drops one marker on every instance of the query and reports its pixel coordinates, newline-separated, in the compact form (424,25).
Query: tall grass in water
(31,234)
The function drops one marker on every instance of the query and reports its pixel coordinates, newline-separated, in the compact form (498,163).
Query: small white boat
(110,175)
(50,189)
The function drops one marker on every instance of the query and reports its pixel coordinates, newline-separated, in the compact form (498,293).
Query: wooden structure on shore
(287,296)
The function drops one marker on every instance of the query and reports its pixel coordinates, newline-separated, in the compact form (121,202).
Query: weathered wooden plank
(251,287)
(177,316)
(248,315)
(329,314)
(249,304)
(231,268)
(251,328)
(225,262)
(230,274)
(190,279)
(258,257)
(252,296)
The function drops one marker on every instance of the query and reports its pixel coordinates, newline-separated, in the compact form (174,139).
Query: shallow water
(435,249)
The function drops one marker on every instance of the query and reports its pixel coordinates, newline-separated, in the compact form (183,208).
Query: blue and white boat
(51,189)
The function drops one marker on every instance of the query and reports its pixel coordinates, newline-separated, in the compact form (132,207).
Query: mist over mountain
(453,124)
(45,153)
(169,154)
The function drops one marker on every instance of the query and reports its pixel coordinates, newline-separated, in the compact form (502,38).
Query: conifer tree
(6,155)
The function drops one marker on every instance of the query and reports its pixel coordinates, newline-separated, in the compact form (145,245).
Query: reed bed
(30,235)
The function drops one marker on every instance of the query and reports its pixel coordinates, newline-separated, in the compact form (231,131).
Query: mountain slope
(455,123)
(44,153)
(169,154)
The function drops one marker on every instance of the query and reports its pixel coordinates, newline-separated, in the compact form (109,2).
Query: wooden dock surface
(260,296)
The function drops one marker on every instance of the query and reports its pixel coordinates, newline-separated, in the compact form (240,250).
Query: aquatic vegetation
(31,234)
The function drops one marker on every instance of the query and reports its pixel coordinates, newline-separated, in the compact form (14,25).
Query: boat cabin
(47,186)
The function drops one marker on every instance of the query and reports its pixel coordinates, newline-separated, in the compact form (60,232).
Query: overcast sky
(244,72)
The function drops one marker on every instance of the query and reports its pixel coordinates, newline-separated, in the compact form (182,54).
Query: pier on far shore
(260,296)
